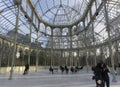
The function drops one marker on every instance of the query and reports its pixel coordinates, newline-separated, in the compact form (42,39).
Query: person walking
(26,69)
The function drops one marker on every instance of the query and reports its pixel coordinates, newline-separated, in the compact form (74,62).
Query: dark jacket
(98,72)
(105,72)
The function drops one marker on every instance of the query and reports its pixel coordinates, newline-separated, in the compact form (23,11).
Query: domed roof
(60,12)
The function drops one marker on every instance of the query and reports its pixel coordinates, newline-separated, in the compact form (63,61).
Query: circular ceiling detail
(60,12)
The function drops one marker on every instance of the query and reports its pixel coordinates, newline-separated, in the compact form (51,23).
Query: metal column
(71,53)
(15,39)
(109,40)
(51,57)
(1,53)
(37,60)
(94,48)
(86,49)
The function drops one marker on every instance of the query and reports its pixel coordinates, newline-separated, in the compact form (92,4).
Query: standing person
(119,68)
(106,76)
(98,75)
(67,70)
(26,69)
(51,69)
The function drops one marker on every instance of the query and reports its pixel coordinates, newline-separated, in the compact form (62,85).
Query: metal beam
(54,26)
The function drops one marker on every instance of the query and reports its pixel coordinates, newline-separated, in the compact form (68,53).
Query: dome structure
(60,12)
(54,32)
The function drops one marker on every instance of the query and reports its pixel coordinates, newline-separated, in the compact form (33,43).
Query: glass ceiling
(60,12)
(54,14)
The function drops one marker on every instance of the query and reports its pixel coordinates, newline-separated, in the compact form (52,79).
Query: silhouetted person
(76,69)
(26,69)
(119,68)
(106,76)
(98,75)
(67,70)
(119,65)
(51,69)
(62,69)
(72,69)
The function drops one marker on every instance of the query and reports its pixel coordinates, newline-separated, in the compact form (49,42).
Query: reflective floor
(43,78)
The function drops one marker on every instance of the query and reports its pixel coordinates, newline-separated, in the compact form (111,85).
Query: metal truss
(64,26)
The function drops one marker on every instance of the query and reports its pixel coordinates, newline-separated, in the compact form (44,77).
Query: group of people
(72,69)
(66,69)
(100,71)
(101,75)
